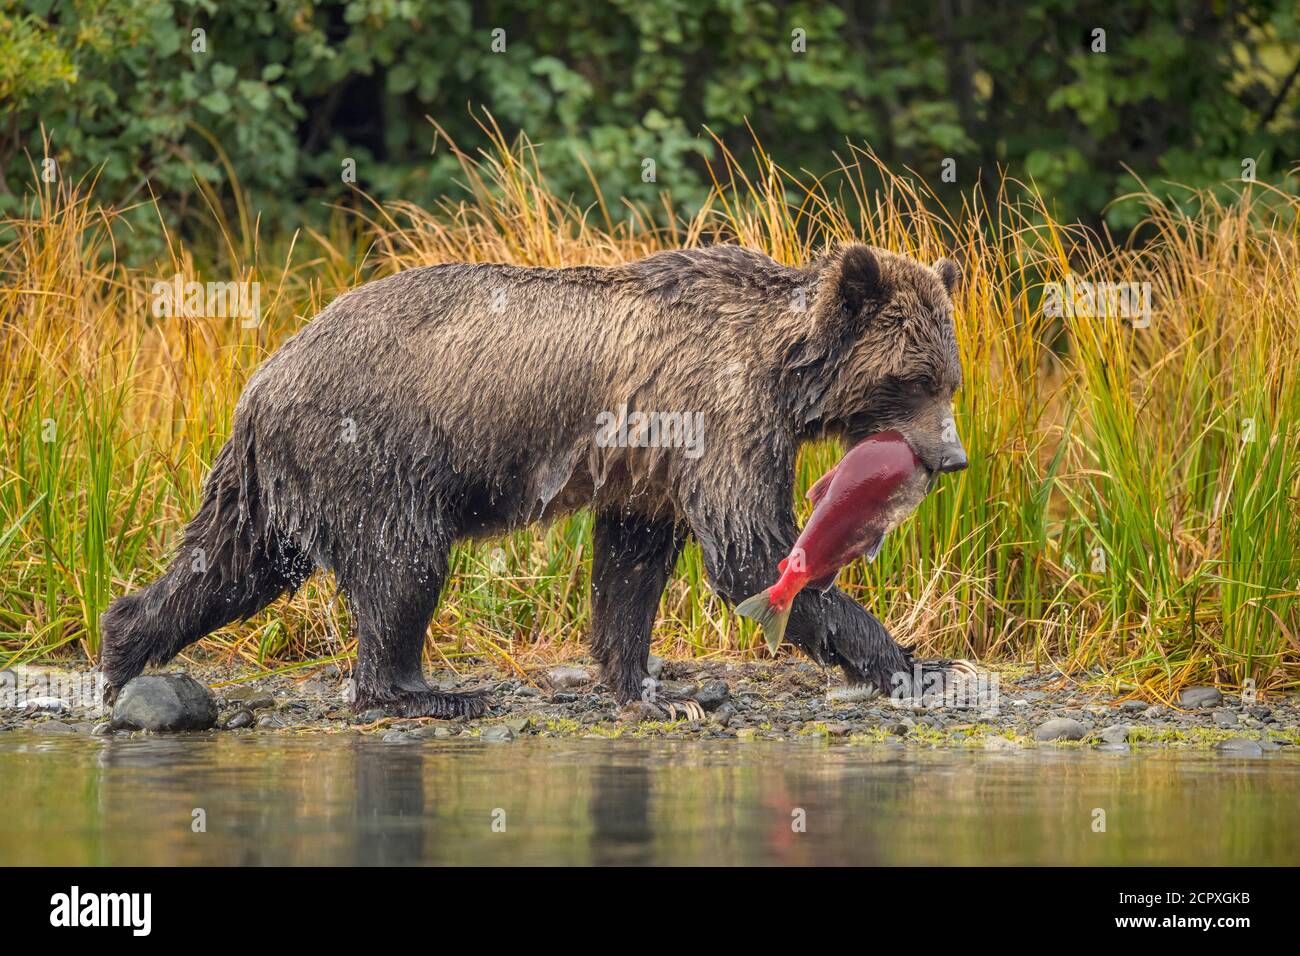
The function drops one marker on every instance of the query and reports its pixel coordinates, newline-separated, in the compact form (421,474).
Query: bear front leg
(854,639)
(632,558)
(867,653)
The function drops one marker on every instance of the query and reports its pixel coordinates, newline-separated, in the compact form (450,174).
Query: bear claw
(690,709)
(661,707)
(963,667)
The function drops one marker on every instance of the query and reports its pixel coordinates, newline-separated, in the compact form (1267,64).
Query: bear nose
(953,460)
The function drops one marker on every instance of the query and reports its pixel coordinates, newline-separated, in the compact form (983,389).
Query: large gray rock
(163,702)
(1240,747)
(1191,698)
(1060,728)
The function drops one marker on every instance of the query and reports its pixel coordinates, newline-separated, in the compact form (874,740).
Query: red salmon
(864,497)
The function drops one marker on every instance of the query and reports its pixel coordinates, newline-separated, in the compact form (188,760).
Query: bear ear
(949,273)
(858,277)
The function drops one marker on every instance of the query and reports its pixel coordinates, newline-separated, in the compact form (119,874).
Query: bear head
(885,324)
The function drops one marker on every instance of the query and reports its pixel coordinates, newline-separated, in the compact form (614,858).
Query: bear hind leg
(216,579)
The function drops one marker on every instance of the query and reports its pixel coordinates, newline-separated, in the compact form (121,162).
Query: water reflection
(346,798)
(389,814)
(620,814)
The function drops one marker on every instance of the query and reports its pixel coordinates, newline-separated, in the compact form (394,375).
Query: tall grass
(1130,509)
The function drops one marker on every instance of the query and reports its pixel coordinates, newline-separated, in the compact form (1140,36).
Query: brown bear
(461,401)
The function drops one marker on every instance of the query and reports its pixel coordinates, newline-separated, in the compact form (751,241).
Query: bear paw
(427,703)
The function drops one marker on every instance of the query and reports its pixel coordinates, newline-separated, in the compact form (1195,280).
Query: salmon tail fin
(759,608)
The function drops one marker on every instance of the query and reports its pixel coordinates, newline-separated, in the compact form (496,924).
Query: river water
(350,799)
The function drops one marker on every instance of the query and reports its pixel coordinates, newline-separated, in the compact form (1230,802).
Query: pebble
(723,715)
(675,688)
(564,677)
(45,705)
(854,694)
(1225,718)
(637,711)
(1191,698)
(497,732)
(431,731)
(1115,734)
(251,698)
(271,722)
(713,694)
(1133,706)
(240,718)
(1060,728)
